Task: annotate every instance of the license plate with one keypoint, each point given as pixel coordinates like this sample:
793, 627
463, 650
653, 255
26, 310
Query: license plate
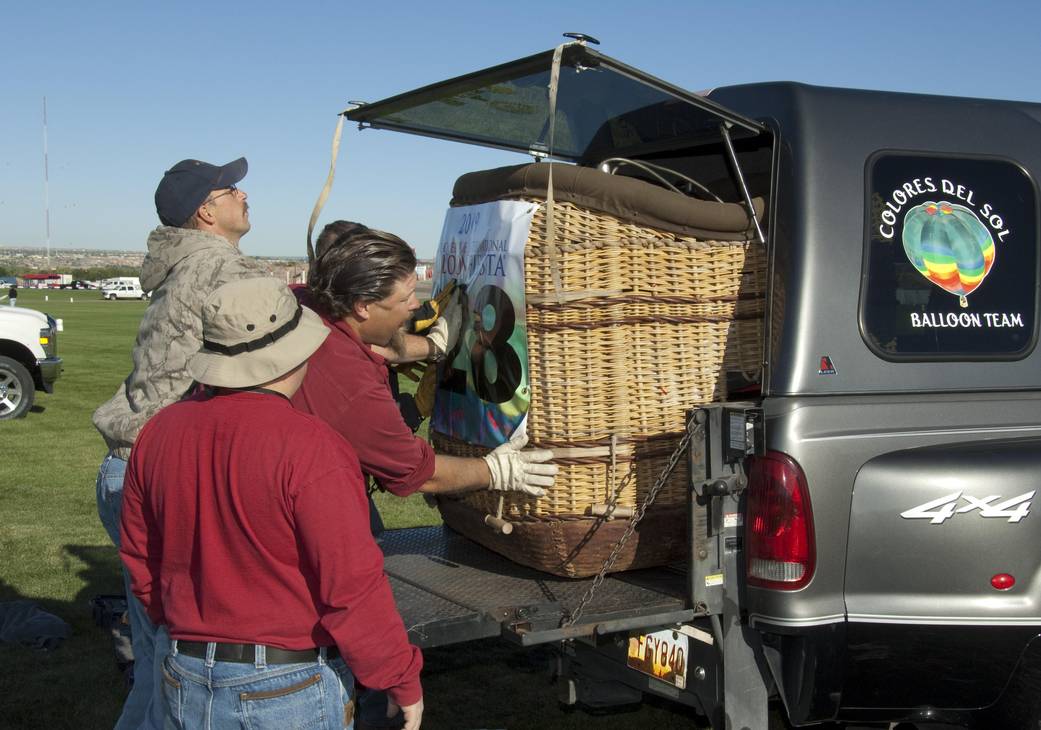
662, 655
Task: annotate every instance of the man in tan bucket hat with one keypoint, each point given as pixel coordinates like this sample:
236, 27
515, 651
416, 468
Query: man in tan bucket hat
245, 530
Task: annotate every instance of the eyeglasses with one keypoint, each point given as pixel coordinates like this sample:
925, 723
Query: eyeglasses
230, 191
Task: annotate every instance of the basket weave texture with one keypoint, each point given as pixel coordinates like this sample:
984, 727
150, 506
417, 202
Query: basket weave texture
647, 325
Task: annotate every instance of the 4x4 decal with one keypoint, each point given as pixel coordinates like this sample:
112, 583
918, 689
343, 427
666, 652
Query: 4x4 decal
938, 511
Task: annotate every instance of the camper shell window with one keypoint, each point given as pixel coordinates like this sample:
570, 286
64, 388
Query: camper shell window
951, 258
608, 115
603, 107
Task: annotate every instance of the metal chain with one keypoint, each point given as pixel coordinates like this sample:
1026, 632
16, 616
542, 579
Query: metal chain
612, 505
692, 429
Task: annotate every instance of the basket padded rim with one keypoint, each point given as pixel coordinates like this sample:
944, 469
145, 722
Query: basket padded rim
624, 197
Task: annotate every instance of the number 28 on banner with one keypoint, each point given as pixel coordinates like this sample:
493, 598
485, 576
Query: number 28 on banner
483, 394
488, 357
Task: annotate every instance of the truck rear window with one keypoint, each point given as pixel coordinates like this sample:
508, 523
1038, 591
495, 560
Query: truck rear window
951, 259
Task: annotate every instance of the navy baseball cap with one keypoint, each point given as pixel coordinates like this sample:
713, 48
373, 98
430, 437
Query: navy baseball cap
186, 185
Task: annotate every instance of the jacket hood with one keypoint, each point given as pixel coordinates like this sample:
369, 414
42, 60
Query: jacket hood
168, 245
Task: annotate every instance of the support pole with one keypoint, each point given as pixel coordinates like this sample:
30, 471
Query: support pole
724, 128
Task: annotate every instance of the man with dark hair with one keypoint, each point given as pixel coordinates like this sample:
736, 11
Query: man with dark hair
195, 251
363, 282
245, 533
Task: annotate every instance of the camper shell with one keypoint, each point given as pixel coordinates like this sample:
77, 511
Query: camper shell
901, 406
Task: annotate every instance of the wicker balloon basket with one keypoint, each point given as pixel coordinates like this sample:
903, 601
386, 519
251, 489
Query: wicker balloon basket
638, 325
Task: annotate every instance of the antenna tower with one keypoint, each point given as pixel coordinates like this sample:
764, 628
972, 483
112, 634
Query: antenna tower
46, 187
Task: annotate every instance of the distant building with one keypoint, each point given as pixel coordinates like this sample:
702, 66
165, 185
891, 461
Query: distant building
43, 281
294, 274
424, 270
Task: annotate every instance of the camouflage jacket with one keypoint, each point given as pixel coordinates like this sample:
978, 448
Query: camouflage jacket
182, 267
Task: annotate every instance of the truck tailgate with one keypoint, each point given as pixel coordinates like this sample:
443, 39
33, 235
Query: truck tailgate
449, 589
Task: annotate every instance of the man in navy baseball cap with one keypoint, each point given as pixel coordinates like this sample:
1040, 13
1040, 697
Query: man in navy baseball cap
187, 185
194, 252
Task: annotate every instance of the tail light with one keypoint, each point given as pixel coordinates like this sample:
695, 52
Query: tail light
779, 544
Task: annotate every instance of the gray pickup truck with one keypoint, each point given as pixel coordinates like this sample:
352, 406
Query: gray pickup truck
863, 540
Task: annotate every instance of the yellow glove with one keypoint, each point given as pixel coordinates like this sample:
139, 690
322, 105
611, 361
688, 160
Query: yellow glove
423, 320
444, 333
431, 309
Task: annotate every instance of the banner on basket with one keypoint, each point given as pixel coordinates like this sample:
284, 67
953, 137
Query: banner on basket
483, 392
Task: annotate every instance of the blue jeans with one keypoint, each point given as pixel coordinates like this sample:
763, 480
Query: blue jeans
143, 707
203, 693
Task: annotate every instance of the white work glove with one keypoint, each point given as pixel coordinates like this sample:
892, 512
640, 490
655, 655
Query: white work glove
444, 333
514, 470
413, 713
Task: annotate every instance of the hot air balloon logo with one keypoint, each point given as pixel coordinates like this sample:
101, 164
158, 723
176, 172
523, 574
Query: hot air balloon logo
949, 246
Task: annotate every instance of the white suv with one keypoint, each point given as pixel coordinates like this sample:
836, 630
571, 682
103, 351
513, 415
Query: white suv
123, 291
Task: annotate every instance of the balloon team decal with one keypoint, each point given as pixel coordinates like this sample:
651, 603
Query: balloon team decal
949, 246
483, 392
944, 239
952, 259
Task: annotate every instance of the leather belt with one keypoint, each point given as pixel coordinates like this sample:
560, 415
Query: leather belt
246, 653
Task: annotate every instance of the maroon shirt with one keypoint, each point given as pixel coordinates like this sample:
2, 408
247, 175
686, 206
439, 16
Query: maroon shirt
245, 520
348, 387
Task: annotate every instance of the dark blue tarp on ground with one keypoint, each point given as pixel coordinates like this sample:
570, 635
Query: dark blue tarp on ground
26, 624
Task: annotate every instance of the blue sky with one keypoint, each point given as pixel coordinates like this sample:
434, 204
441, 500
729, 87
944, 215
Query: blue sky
133, 87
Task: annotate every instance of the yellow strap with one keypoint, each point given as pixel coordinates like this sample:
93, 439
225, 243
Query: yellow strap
551, 229
325, 190
425, 391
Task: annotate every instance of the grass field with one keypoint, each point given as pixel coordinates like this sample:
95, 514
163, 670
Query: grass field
54, 552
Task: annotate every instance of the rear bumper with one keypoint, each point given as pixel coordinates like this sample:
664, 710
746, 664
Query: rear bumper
50, 370
888, 672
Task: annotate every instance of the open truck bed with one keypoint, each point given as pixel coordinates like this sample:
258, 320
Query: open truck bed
450, 589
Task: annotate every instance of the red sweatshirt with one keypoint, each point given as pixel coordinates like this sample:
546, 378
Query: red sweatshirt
347, 386
245, 520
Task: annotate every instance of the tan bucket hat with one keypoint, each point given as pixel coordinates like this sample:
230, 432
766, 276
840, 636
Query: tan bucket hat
254, 331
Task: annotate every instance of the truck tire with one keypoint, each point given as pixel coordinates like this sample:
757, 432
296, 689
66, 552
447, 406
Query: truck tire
112, 297
16, 389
